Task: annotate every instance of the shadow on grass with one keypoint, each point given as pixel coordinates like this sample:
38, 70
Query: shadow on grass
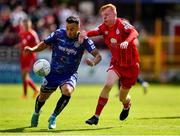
21, 129
73, 130
173, 117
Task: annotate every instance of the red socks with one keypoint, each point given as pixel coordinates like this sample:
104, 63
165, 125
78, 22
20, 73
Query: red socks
127, 105
101, 103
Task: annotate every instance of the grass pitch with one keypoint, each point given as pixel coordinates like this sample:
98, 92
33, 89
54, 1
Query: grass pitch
156, 113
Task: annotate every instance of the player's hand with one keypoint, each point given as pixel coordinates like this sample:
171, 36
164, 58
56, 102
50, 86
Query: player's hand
82, 36
90, 62
124, 45
28, 49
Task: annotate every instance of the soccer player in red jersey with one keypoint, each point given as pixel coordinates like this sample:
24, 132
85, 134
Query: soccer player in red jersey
119, 35
28, 37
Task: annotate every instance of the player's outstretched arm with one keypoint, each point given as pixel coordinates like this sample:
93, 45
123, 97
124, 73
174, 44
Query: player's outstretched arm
133, 34
39, 47
97, 58
89, 33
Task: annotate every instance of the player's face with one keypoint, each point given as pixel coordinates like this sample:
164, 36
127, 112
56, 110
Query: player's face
72, 29
27, 25
109, 16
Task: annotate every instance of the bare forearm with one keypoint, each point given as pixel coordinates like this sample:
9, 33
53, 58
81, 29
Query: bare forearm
97, 59
92, 33
97, 56
39, 47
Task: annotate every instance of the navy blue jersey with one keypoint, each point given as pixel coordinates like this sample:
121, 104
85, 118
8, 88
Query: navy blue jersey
66, 53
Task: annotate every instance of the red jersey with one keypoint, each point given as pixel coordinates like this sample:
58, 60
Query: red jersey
113, 36
30, 39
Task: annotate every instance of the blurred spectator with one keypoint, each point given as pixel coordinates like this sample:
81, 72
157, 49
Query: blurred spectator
65, 12
9, 35
17, 15
44, 19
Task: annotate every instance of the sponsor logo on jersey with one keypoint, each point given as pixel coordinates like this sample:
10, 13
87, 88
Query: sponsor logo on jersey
67, 50
113, 40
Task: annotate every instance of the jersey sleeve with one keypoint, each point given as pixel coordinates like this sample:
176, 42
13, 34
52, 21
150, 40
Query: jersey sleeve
51, 38
128, 28
89, 45
95, 32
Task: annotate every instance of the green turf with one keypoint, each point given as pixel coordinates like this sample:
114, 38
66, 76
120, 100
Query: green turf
157, 113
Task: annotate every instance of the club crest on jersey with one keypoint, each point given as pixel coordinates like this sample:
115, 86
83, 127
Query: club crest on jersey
117, 31
76, 44
106, 32
113, 40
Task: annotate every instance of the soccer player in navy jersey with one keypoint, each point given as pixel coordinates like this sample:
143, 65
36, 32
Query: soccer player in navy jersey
66, 57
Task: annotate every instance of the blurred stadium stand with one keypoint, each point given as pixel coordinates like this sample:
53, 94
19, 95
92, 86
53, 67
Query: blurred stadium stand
158, 22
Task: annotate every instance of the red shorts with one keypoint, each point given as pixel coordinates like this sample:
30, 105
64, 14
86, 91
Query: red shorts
27, 64
127, 75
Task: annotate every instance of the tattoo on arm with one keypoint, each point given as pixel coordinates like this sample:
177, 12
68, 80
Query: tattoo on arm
97, 56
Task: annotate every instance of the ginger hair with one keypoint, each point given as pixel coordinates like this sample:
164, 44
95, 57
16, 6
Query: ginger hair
108, 6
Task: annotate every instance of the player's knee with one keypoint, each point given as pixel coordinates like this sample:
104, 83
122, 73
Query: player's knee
108, 85
42, 98
68, 90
